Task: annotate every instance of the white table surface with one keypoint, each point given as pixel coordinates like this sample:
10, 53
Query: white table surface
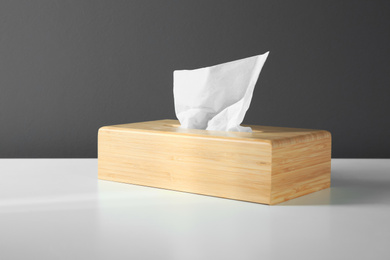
57, 209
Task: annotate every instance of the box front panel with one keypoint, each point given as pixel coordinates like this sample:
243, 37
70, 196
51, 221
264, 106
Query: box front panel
205, 165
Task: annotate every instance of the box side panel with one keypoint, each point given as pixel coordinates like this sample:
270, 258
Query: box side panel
223, 168
300, 169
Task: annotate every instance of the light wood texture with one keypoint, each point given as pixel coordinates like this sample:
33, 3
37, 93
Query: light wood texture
269, 165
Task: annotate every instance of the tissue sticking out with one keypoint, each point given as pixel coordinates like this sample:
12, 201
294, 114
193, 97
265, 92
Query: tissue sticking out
217, 97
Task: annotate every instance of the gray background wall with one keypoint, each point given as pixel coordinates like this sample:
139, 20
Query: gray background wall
69, 67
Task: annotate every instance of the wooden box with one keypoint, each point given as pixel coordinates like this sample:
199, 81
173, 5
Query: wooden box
269, 165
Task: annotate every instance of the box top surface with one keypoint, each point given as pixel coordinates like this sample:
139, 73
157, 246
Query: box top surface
276, 136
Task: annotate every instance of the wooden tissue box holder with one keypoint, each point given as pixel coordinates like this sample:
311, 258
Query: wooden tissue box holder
269, 165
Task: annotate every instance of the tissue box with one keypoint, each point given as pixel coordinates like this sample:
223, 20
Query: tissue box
269, 165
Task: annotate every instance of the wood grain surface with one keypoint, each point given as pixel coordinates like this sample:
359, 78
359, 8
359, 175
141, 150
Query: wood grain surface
269, 165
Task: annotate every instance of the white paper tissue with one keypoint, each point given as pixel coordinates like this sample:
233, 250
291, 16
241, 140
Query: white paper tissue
216, 97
